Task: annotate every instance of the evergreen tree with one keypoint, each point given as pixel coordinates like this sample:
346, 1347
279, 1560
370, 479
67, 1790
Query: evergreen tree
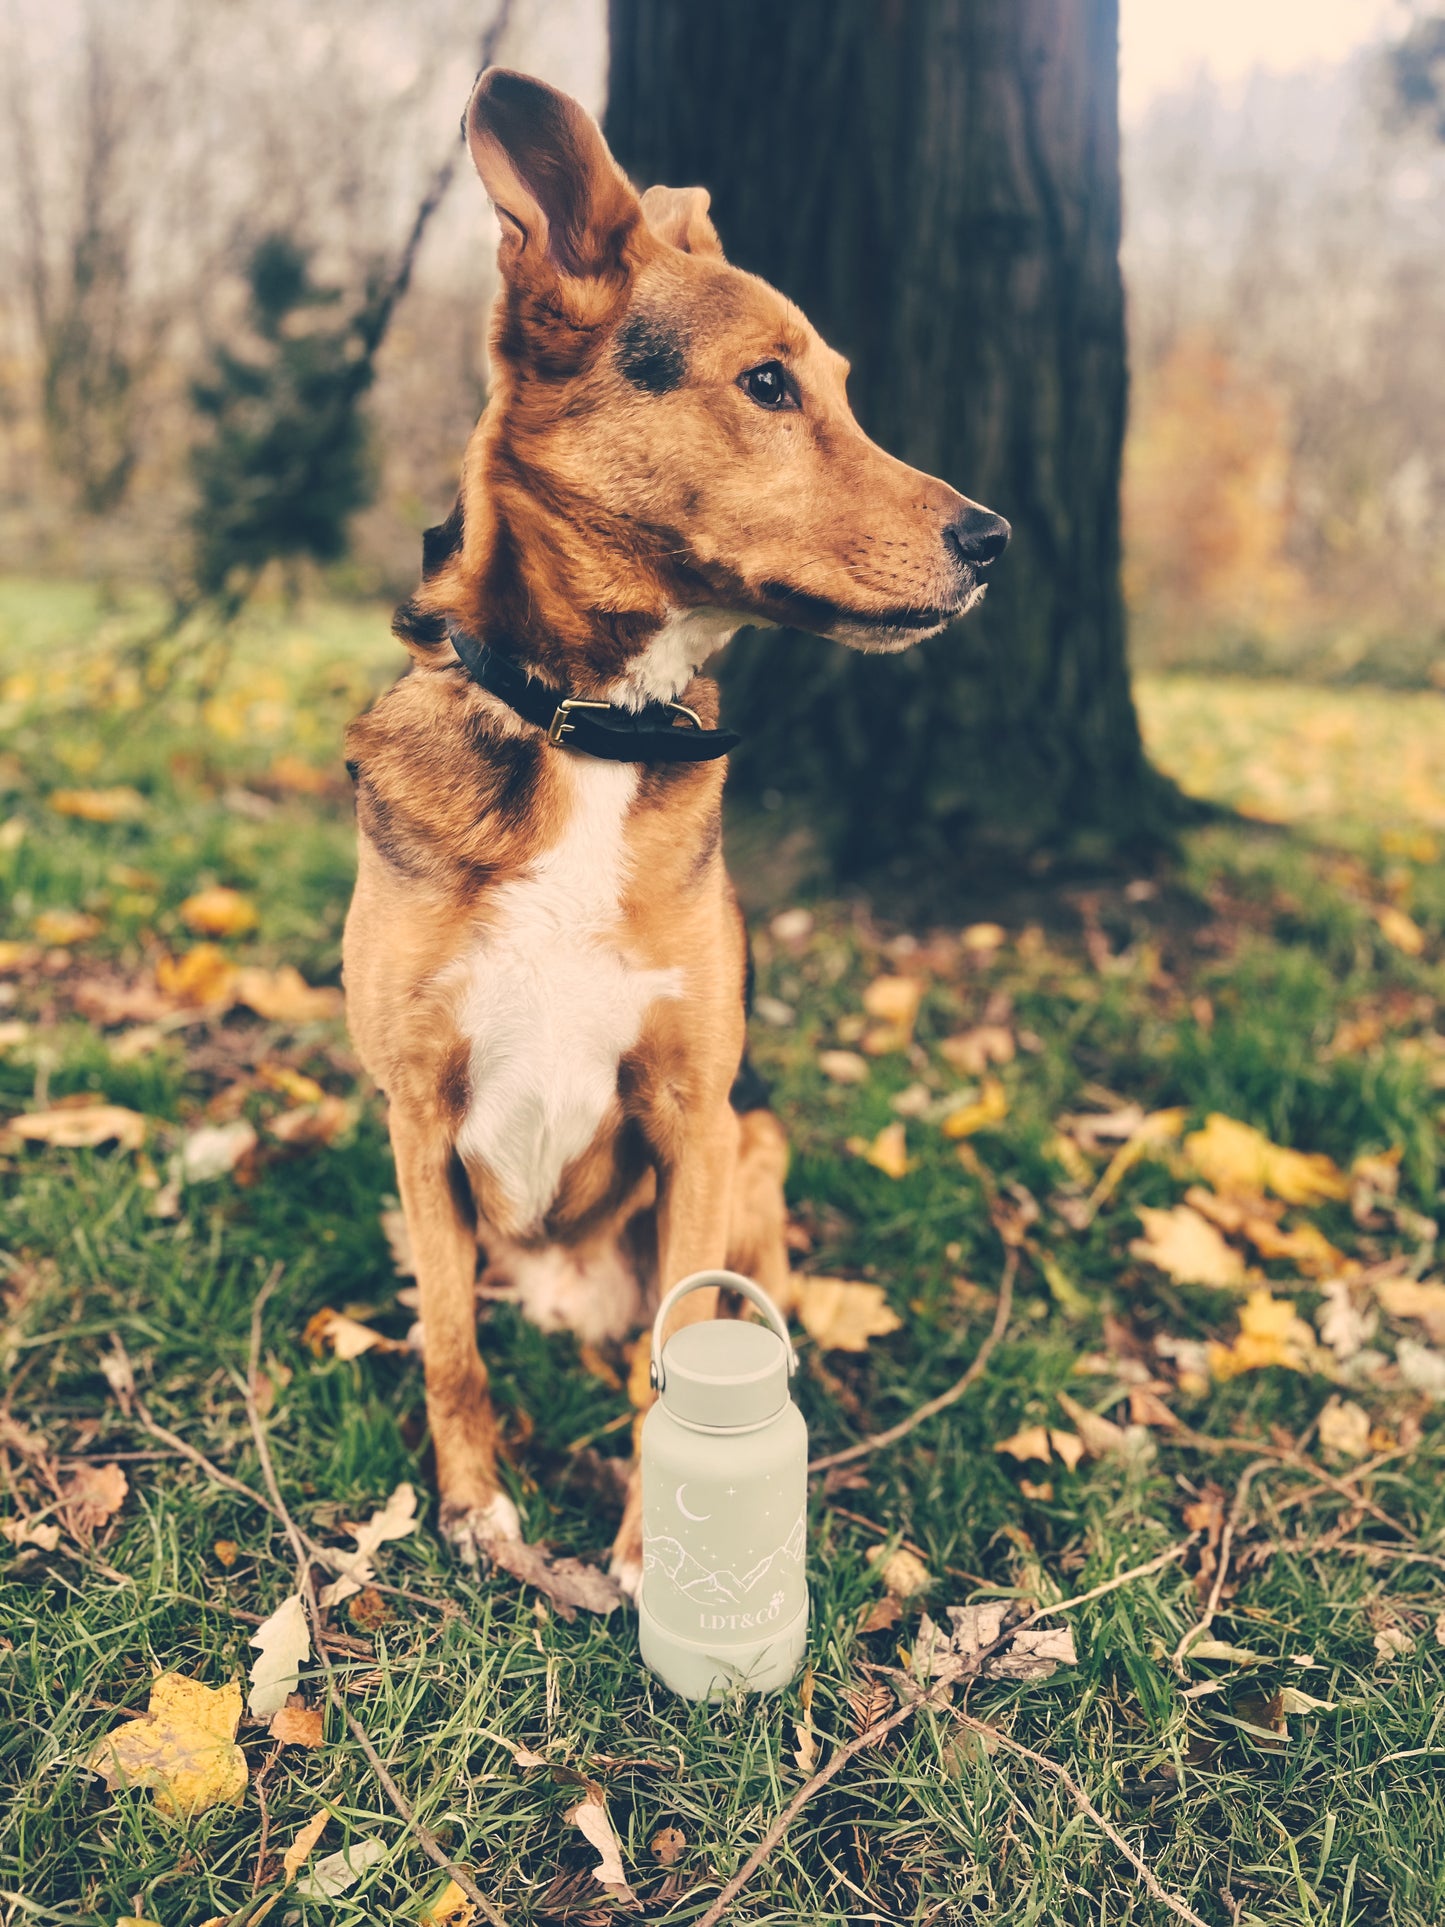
286, 464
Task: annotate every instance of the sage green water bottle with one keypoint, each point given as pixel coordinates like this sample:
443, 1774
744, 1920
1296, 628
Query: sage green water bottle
724, 1597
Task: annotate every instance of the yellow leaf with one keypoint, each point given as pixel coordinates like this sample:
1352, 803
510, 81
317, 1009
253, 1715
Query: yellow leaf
1306, 1247
449, 1907
319, 1123
972, 1051
183, 1748
284, 997
1270, 1333
299, 1851
840, 1316
981, 938
66, 926
894, 1002
988, 1109
346, 1337
81, 1127
204, 975
219, 912
98, 806
1187, 1246
1400, 930
15, 955
1237, 1159
291, 1083
903, 1573
888, 1152
1040, 1442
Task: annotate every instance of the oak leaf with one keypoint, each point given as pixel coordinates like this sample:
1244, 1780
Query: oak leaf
284, 1644
354, 1570
841, 1316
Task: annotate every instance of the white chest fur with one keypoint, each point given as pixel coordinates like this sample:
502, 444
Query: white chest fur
550, 1000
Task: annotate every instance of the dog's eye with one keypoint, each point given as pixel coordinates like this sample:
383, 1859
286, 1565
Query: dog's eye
768, 385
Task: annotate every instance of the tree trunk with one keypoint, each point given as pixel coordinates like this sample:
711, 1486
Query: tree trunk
936, 183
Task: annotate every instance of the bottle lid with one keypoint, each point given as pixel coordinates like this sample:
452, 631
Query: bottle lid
726, 1373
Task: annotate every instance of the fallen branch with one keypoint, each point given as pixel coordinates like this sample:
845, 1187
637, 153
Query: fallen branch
425, 1838
1226, 1545
937, 1695
878, 1440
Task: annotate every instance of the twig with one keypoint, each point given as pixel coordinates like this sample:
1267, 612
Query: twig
1226, 1543
426, 1839
936, 1695
932, 1406
1085, 1805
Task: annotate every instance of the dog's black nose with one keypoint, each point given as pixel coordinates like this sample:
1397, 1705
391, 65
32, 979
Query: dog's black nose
978, 537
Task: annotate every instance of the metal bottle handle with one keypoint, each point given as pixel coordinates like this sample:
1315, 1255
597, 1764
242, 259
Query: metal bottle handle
729, 1281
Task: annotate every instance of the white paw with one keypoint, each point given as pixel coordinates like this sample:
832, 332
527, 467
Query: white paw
625, 1572
476, 1531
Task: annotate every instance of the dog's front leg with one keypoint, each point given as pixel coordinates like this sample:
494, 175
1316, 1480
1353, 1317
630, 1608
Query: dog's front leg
475, 1513
694, 1204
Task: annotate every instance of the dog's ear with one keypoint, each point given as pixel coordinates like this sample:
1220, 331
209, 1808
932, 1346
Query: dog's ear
567, 209
678, 215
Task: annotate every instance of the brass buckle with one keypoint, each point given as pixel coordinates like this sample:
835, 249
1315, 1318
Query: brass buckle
560, 726
692, 716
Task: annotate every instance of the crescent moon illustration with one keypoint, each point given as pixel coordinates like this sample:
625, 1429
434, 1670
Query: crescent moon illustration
698, 1517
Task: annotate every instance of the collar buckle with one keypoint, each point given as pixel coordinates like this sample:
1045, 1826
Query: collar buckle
561, 724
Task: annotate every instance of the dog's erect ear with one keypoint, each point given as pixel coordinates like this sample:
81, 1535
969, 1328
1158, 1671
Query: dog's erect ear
678, 215
566, 206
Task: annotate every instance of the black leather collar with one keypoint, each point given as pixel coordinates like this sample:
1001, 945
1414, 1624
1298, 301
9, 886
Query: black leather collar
648, 735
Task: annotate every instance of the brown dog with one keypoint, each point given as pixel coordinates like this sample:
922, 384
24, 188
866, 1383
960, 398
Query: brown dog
544, 958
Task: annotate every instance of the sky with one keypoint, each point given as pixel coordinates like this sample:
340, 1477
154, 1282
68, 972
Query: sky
1164, 43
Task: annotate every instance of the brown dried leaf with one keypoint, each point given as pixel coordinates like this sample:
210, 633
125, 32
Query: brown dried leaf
667, 1844
589, 1817
568, 1583
1035, 1653
297, 1724
91, 1497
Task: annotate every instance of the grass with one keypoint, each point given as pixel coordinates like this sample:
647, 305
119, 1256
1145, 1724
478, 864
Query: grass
1257, 980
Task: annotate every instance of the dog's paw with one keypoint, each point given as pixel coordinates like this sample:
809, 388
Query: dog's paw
624, 1568
476, 1531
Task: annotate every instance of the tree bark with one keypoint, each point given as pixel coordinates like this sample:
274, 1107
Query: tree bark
936, 183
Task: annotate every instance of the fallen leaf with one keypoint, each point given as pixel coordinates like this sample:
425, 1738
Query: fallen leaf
15, 955
668, 1844
589, 1817
971, 1052
1423, 1302
1270, 1333
1399, 930
91, 1497
319, 1123
1035, 1653
340, 1871
297, 1724
1341, 1326
1306, 1247
214, 1150
1423, 1370
226, 1551
1183, 1243
1236, 1158
200, 978
299, 1851
354, 1570
80, 1127
328, 1330
1344, 1427
880, 1615
291, 1083
448, 1907
843, 1066
1040, 1442
903, 1573
988, 1109
284, 997
1390, 1642
1292, 1700
841, 1316
805, 1752
119, 805
299, 778
982, 938
569, 1583
1101, 1436
888, 1152
219, 912
65, 927
183, 1748
1221, 1649
792, 926
28, 1532
284, 1644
